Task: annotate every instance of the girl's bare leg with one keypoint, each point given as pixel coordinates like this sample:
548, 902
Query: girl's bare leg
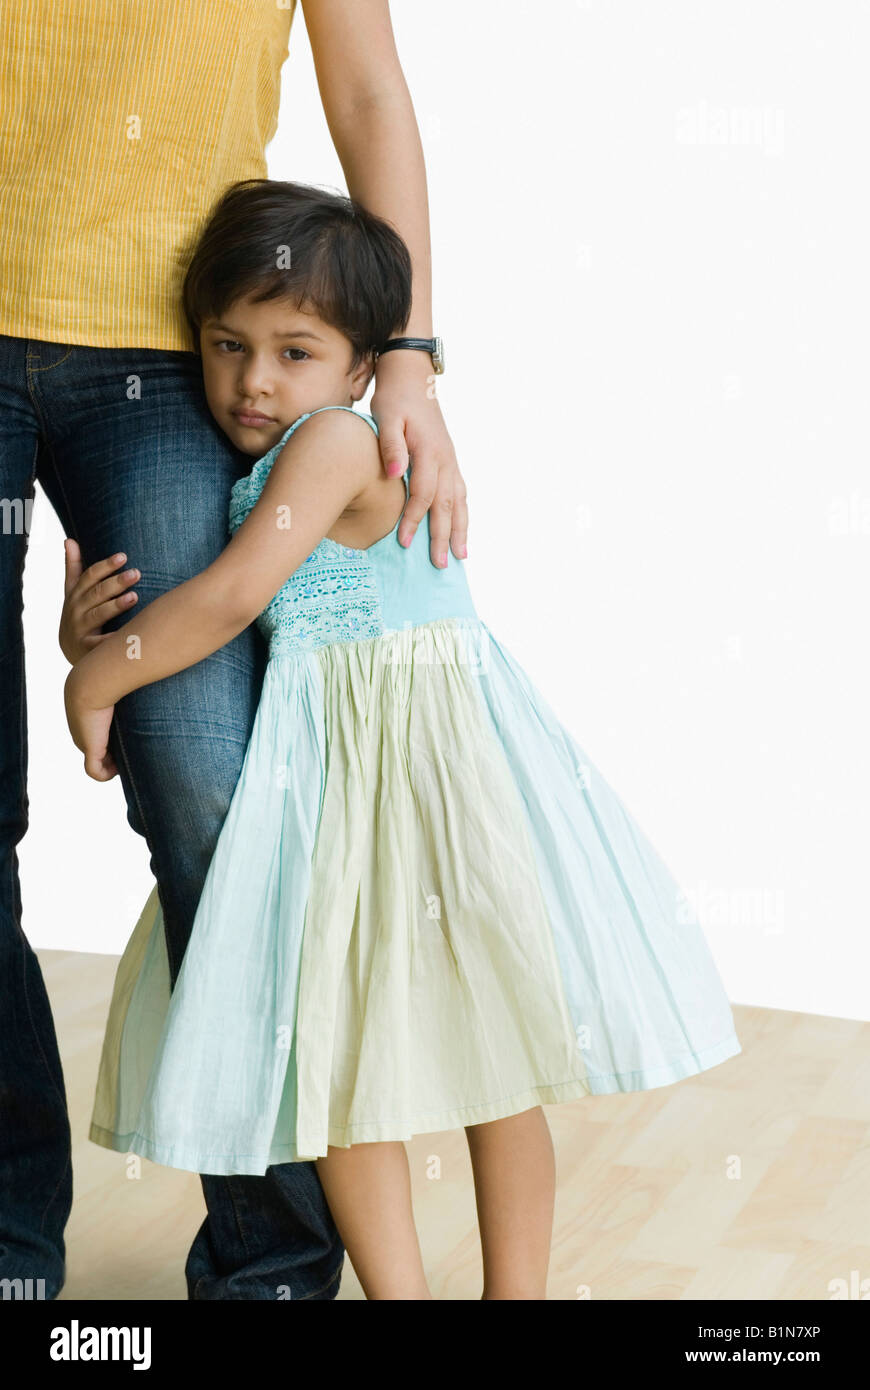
515, 1186
368, 1188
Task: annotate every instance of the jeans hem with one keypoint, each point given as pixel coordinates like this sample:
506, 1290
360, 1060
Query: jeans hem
315, 1293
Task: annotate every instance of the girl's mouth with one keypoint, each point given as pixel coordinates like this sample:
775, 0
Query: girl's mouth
252, 418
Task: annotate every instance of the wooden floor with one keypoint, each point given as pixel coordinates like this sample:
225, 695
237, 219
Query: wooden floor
750, 1181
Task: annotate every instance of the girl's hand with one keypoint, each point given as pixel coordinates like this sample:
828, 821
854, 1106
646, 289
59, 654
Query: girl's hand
409, 421
90, 730
91, 599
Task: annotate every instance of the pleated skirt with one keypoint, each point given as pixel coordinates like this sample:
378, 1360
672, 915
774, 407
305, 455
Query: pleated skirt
426, 909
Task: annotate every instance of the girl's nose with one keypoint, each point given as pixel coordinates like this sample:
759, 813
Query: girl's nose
255, 380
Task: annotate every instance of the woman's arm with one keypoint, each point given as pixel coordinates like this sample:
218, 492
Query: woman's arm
371, 120
320, 470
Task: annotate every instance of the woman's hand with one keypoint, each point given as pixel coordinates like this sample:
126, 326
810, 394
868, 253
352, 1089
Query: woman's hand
371, 119
410, 422
91, 598
89, 728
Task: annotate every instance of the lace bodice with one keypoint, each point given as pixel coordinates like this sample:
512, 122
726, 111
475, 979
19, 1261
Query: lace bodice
333, 595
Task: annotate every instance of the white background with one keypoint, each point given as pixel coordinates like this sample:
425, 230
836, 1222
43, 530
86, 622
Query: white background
650, 240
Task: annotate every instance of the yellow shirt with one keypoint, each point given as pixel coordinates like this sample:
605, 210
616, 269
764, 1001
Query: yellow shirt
122, 123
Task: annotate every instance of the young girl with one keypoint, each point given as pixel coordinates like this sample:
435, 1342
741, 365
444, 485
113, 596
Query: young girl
426, 908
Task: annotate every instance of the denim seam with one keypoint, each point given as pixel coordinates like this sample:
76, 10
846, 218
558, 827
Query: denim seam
49, 366
325, 1286
239, 1227
24, 803
44, 429
38, 1041
61, 489
237, 1214
119, 738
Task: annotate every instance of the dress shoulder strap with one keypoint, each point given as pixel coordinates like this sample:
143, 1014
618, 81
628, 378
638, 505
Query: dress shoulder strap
363, 415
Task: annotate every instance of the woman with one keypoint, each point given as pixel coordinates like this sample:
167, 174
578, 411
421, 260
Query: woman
121, 129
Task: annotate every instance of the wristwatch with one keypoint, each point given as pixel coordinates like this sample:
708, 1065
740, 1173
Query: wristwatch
434, 346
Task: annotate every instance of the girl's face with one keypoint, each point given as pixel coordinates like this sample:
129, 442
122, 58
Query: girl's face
266, 364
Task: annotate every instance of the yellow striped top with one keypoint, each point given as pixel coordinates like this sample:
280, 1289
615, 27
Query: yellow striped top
122, 123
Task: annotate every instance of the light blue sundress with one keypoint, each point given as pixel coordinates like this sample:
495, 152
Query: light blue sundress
426, 907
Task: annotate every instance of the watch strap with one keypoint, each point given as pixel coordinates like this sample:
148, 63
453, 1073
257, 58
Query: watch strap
433, 346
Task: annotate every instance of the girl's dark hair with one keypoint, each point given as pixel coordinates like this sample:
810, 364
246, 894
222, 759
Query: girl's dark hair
271, 240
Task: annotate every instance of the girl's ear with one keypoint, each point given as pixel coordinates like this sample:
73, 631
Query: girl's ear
361, 376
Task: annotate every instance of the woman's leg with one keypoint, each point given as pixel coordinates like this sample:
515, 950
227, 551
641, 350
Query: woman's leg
150, 473
515, 1186
35, 1166
368, 1188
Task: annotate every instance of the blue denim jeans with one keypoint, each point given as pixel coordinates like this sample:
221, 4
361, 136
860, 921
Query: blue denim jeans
123, 444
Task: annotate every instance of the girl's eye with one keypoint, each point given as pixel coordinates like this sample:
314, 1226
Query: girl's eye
230, 346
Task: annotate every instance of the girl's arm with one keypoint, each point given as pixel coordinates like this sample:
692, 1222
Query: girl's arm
320, 470
371, 120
